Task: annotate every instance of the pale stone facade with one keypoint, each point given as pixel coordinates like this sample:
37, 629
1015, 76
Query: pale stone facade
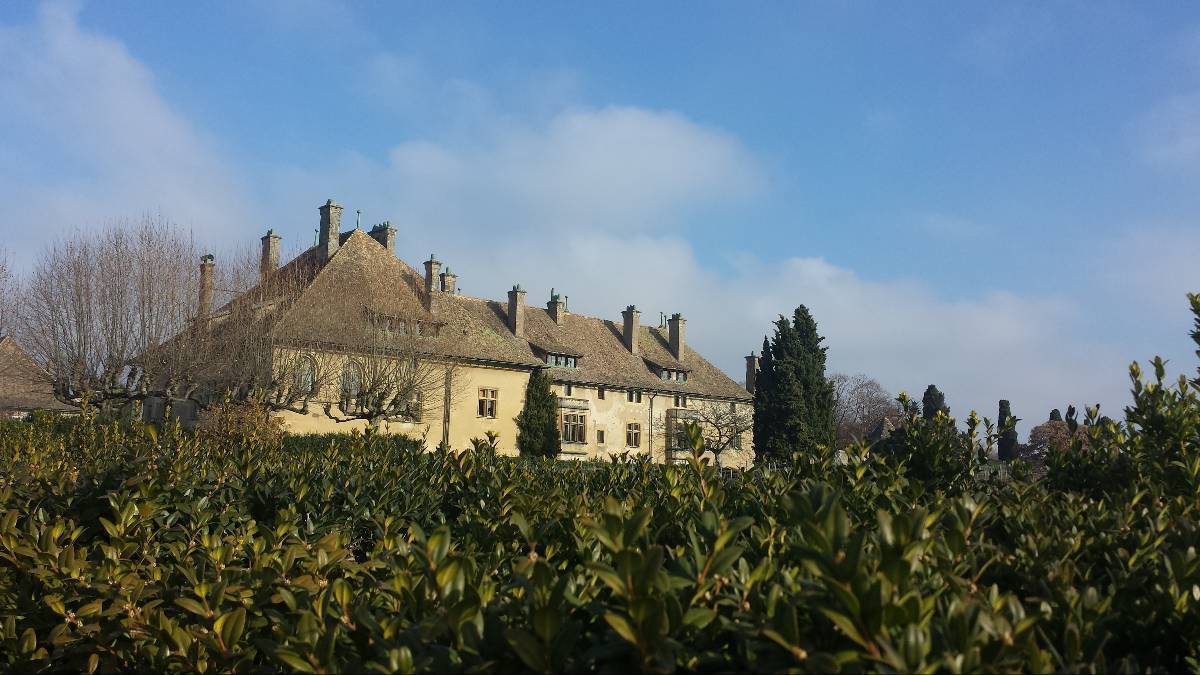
620, 384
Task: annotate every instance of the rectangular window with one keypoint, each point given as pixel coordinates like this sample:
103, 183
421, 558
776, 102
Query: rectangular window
633, 435
683, 375
487, 403
568, 390
600, 393
599, 437
574, 427
633, 396
680, 401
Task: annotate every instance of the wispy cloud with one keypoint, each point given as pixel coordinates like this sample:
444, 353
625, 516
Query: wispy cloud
595, 200
90, 138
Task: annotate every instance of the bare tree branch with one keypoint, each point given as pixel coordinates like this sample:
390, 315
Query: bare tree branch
860, 402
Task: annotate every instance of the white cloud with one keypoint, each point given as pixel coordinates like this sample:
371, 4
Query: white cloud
91, 139
592, 200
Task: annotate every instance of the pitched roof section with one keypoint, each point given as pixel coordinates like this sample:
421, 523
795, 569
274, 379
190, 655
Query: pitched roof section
24, 386
364, 276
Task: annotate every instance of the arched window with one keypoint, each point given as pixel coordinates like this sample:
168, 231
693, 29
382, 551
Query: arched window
352, 380
305, 380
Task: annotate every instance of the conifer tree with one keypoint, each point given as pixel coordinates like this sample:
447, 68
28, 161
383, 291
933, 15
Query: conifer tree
793, 400
933, 401
537, 427
1007, 424
1055, 415
1194, 300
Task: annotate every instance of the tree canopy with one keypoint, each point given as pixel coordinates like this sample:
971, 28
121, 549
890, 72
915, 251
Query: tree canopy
537, 428
793, 401
933, 401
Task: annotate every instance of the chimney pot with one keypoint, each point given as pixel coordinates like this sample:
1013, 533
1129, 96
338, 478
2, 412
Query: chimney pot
385, 234
449, 282
556, 307
516, 310
631, 316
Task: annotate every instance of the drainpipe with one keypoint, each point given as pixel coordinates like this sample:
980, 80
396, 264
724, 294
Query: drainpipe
650, 431
446, 409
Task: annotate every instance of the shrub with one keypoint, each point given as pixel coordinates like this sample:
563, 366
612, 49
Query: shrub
122, 548
235, 422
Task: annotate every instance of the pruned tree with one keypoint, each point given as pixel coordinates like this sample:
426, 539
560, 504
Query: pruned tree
234, 353
860, 403
96, 302
388, 378
723, 427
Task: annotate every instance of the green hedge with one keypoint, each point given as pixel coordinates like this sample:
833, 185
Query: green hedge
128, 548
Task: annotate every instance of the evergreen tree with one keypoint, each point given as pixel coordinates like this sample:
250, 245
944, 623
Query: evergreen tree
1055, 415
1007, 425
537, 427
793, 401
933, 401
1194, 300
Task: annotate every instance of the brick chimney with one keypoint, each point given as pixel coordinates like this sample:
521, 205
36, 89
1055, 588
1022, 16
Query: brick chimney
204, 305
270, 254
516, 310
385, 234
751, 371
449, 282
632, 328
675, 328
432, 282
556, 307
331, 225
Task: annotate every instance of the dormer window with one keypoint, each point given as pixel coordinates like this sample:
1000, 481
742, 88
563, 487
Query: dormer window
561, 361
674, 375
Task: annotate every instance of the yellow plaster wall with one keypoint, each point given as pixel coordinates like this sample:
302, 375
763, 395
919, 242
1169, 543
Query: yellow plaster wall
610, 414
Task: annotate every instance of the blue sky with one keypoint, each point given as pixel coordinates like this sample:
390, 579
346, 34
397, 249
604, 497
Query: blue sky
1001, 198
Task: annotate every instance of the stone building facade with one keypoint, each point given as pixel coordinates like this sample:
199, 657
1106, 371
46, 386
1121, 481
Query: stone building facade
623, 387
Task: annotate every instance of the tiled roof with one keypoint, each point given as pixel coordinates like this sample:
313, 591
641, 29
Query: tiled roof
23, 386
363, 276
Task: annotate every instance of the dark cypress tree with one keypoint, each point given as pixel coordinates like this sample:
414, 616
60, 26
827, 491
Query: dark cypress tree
933, 401
1007, 425
537, 427
1194, 300
793, 401
1055, 415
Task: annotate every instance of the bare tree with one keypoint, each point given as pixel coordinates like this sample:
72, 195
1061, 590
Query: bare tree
1052, 436
94, 303
235, 352
389, 374
860, 402
8, 294
723, 426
